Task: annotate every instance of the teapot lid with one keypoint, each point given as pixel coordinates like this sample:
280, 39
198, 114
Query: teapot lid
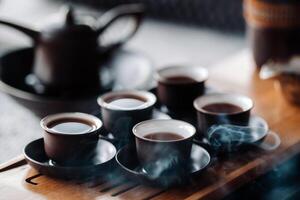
65, 25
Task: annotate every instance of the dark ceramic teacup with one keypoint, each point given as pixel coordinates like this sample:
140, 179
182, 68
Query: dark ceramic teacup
121, 110
179, 86
70, 138
164, 146
222, 108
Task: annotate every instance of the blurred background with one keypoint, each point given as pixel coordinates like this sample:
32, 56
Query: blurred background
219, 15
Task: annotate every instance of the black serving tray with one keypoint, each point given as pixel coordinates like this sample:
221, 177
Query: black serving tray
115, 74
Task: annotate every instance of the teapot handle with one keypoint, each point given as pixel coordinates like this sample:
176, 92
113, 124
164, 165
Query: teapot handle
108, 18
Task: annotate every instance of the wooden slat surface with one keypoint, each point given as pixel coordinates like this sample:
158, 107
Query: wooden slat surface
224, 175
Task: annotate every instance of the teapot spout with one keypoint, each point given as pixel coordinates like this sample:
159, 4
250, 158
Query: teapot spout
33, 34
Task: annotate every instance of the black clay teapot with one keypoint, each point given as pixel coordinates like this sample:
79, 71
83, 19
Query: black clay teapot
68, 54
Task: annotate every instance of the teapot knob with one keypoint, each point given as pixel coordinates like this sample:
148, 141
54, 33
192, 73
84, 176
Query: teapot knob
69, 13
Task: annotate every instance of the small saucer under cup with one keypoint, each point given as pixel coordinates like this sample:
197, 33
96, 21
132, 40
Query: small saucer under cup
198, 161
98, 165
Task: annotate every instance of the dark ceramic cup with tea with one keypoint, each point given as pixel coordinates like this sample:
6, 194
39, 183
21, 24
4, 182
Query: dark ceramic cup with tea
179, 86
164, 146
70, 138
121, 110
222, 108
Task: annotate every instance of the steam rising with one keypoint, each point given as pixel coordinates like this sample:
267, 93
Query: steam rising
162, 166
167, 170
227, 137
230, 136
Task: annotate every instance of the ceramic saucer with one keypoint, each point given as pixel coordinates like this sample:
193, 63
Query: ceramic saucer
128, 161
116, 73
101, 162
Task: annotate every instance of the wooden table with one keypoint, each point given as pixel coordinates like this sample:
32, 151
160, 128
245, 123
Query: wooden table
237, 74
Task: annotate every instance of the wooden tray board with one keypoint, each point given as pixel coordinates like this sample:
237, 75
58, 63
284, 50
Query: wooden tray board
237, 74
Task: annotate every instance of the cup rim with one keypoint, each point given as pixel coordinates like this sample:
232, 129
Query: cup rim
134, 130
74, 115
218, 97
150, 99
160, 78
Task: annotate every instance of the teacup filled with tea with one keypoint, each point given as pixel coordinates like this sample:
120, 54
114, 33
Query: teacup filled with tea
121, 110
70, 138
163, 146
179, 86
222, 108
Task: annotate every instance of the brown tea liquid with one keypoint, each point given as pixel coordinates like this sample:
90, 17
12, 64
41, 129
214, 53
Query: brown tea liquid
222, 108
165, 136
180, 79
